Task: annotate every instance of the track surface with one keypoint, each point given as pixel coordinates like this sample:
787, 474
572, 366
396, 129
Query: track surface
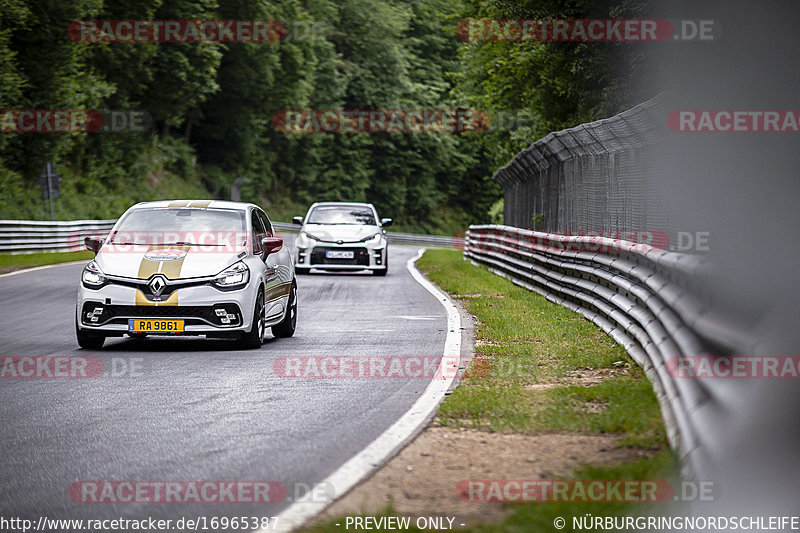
201, 409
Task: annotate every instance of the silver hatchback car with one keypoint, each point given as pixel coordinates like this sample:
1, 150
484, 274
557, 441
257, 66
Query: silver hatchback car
342, 236
188, 267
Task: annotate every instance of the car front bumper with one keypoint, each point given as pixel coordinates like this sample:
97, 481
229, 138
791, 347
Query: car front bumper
108, 309
364, 256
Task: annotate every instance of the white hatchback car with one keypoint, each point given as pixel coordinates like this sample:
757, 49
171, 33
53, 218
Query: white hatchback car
188, 267
342, 236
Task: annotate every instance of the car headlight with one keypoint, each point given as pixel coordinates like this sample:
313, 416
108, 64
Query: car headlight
92, 277
310, 237
372, 238
233, 277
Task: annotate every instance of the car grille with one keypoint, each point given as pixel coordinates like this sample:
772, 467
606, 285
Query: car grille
360, 256
193, 314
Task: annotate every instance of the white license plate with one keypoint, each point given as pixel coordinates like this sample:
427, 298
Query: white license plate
340, 254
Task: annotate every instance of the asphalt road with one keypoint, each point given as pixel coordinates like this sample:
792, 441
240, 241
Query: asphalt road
196, 409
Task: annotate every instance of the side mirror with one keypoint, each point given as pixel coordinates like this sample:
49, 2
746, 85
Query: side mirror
93, 244
298, 221
270, 245
386, 222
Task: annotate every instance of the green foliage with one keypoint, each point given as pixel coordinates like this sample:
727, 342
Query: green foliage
212, 104
496, 212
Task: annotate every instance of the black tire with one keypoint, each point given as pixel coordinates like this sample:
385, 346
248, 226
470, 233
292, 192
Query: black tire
301, 271
89, 340
286, 327
383, 272
253, 339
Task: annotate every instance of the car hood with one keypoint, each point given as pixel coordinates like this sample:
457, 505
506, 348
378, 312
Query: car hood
341, 232
142, 261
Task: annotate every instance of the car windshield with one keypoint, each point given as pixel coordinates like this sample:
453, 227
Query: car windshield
342, 215
185, 225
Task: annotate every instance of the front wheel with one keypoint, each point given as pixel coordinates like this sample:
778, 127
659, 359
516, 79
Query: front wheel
89, 340
255, 337
383, 271
289, 323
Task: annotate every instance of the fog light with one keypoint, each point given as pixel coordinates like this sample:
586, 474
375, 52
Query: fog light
97, 310
231, 317
220, 312
225, 320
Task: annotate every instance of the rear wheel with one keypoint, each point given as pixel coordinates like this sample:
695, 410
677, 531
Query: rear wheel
289, 323
89, 340
255, 337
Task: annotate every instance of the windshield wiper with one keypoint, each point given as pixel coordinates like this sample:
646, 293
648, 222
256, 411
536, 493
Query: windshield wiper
182, 243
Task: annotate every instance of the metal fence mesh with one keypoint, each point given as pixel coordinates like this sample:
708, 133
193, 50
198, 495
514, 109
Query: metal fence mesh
599, 176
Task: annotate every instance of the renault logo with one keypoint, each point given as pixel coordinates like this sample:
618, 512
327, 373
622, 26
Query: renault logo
157, 285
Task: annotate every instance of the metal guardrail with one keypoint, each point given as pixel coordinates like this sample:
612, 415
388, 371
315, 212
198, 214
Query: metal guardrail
641, 297
29, 236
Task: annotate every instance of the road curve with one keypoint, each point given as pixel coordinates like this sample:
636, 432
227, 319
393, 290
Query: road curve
195, 409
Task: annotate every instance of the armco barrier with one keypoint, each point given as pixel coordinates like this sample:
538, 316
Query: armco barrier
29, 236
642, 297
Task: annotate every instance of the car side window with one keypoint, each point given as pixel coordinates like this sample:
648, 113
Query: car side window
258, 232
267, 224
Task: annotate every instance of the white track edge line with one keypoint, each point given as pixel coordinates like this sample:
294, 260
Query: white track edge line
43, 267
359, 466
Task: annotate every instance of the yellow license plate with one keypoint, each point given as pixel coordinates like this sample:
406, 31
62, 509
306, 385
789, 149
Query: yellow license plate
155, 325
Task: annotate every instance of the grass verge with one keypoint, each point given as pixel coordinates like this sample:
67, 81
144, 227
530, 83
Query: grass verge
534, 360
11, 262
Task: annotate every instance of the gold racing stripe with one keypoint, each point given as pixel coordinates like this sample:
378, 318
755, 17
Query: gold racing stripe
179, 203
198, 203
170, 269
278, 290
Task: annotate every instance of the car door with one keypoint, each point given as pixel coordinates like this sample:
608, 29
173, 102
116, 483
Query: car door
278, 276
258, 232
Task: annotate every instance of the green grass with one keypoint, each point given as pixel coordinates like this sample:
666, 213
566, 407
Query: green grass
9, 262
522, 341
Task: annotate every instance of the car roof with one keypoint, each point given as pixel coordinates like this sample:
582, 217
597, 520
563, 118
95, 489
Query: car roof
341, 204
219, 204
